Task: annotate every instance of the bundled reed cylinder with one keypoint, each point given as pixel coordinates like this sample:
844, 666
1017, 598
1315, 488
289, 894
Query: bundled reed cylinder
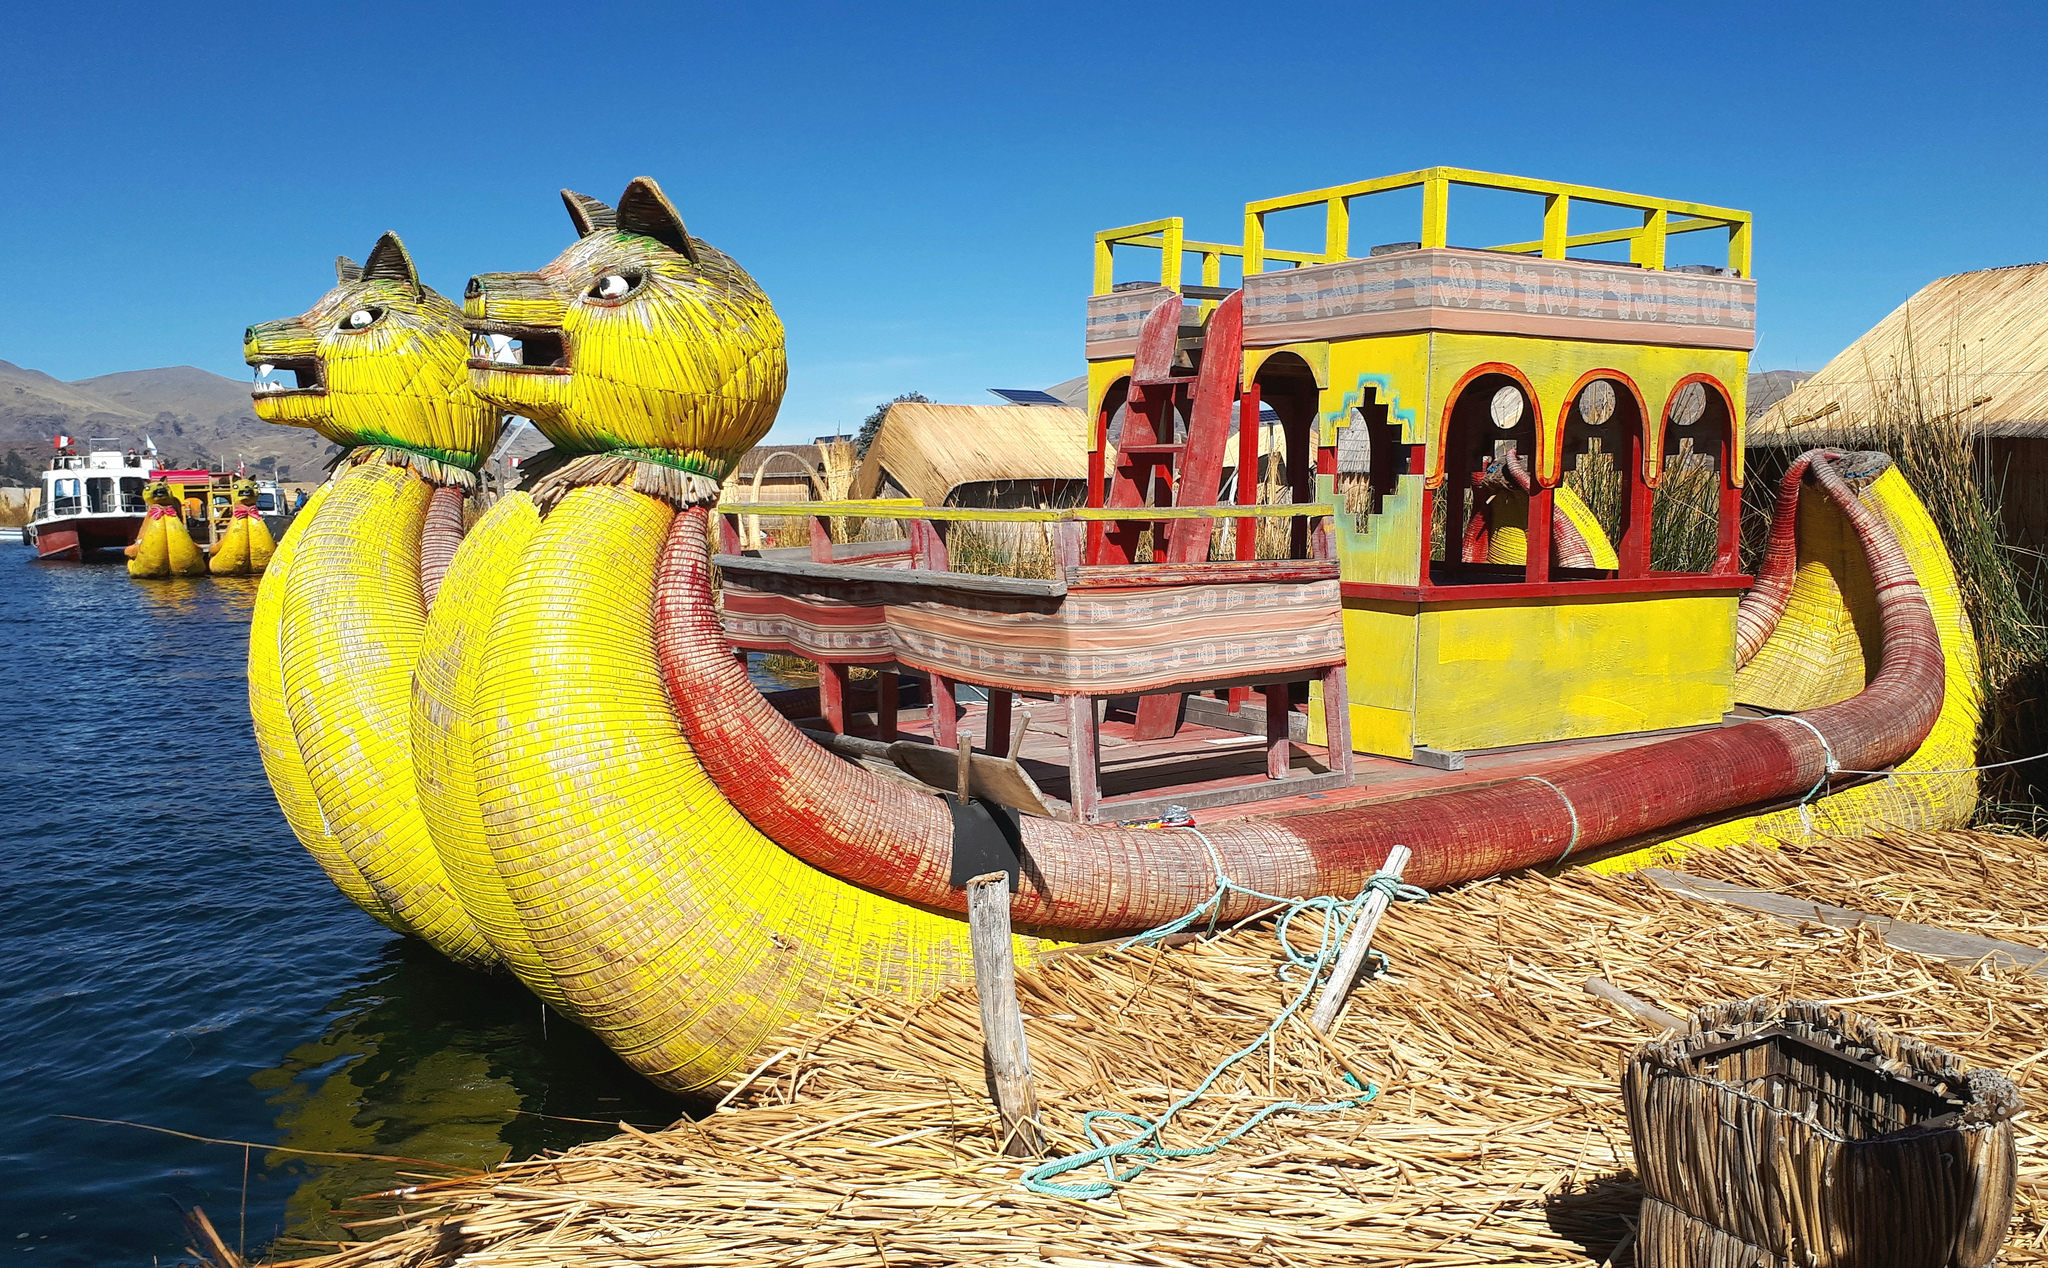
1786, 1133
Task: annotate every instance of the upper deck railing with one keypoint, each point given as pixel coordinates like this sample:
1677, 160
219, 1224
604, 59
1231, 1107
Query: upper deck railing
1661, 218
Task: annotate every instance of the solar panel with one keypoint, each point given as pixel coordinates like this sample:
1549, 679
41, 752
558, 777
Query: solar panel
1026, 396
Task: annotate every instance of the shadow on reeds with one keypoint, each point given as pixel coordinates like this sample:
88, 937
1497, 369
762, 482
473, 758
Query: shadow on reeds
1599, 1215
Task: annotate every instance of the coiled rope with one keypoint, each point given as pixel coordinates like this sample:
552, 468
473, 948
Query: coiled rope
1147, 1149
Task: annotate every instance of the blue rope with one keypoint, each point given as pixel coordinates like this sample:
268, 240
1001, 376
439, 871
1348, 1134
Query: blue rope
1146, 1147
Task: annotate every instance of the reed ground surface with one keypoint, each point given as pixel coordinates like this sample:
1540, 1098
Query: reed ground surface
1498, 1136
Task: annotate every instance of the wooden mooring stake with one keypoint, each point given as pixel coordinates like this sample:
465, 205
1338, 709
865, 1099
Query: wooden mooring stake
1002, 1022
1356, 944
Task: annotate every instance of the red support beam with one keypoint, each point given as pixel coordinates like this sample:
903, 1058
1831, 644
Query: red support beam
832, 697
1728, 546
1246, 535
1337, 721
945, 715
996, 739
1542, 505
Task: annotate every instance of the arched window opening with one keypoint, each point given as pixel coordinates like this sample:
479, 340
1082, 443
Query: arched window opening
1694, 514
1289, 401
1603, 476
1478, 516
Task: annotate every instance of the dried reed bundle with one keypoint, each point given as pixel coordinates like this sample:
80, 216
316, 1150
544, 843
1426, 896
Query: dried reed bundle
438, 470
1499, 1138
552, 473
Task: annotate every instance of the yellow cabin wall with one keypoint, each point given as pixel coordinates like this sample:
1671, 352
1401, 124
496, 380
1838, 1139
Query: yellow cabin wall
1462, 676
1524, 671
1470, 676
1379, 678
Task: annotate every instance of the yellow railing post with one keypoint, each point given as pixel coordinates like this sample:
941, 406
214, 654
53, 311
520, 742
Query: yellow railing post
1647, 247
1436, 212
1337, 229
1648, 242
1557, 210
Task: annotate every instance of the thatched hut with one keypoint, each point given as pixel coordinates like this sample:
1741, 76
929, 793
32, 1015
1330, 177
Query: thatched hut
1969, 352
1000, 456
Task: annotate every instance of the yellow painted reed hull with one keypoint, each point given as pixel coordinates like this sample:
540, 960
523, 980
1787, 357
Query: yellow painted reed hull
351, 632
677, 932
244, 549
1825, 648
165, 549
444, 683
275, 742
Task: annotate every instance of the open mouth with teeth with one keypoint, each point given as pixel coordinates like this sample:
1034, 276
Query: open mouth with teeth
309, 377
503, 345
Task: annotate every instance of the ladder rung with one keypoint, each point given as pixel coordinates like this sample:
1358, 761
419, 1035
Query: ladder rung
1166, 449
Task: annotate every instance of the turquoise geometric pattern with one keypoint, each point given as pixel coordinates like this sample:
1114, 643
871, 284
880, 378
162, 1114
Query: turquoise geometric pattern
1383, 390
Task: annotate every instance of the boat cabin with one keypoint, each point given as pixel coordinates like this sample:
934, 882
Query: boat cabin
1499, 505
90, 501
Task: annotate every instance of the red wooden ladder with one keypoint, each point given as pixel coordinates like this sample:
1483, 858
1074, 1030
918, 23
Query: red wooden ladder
1154, 469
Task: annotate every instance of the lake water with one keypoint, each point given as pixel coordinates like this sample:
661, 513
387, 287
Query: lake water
172, 957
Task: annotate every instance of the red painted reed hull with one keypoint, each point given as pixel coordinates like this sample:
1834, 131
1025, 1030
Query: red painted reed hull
886, 836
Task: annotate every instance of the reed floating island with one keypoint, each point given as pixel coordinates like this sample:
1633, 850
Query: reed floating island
1498, 1136
1445, 617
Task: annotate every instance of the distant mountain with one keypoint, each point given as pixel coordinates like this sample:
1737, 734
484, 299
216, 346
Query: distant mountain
197, 418
194, 416
1768, 387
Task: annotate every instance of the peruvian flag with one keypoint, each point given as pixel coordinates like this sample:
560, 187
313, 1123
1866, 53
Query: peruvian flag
63, 441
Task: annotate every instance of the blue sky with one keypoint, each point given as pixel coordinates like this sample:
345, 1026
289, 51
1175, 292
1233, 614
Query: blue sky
916, 186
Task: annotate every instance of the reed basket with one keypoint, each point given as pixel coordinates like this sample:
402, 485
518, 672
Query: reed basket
1790, 1133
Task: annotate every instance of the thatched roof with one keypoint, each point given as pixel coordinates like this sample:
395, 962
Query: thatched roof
931, 450
1973, 347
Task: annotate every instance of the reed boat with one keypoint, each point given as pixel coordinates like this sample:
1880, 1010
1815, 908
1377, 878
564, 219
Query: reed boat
1446, 617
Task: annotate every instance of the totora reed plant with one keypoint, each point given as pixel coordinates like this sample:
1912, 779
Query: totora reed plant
1922, 420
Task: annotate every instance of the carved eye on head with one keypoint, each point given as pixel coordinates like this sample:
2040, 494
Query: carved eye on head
613, 287
362, 319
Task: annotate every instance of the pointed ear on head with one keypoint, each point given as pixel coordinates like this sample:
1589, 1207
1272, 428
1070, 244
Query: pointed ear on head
388, 262
589, 214
643, 208
346, 271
